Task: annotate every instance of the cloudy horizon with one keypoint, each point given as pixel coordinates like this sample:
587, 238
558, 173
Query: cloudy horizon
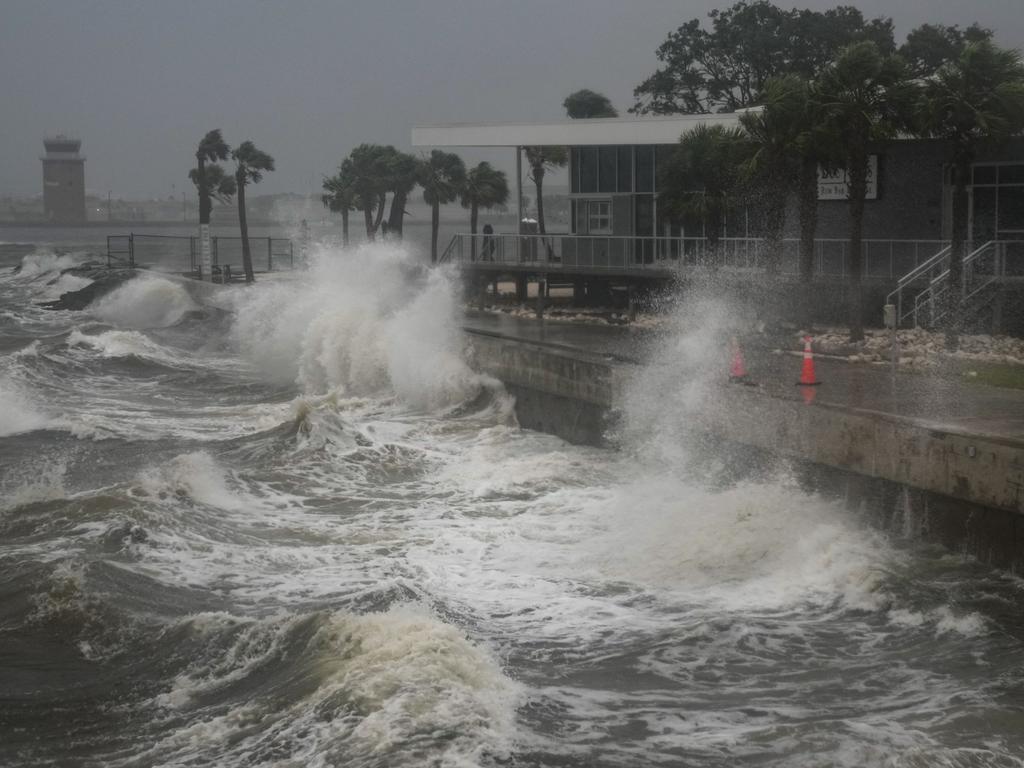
139, 83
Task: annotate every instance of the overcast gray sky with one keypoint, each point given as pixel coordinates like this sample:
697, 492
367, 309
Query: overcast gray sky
140, 82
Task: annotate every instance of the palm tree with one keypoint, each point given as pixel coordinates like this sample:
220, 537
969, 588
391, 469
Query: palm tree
485, 187
702, 175
212, 147
442, 177
865, 97
790, 147
339, 198
216, 185
974, 100
402, 170
251, 165
585, 103
366, 172
774, 166
540, 160
211, 183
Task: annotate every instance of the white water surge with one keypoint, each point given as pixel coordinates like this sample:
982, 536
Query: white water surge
145, 302
296, 529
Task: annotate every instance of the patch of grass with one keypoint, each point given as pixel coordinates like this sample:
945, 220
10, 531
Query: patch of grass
996, 375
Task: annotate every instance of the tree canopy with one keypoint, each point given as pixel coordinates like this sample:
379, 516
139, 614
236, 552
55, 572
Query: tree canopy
252, 163
442, 177
930, 46
726, 67
214, 182
703, 173
585, 103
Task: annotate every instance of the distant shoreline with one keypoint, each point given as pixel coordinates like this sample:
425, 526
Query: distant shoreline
122, 223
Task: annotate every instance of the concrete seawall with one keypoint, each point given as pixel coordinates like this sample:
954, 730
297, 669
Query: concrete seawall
961, 488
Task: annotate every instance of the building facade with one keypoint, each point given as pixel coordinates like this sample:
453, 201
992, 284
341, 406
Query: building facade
63, 180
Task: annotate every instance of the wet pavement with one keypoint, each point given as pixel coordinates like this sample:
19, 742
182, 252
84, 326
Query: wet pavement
941, 402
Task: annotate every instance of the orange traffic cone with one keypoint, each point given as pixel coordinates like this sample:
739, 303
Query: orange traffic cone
807, 377
738, 369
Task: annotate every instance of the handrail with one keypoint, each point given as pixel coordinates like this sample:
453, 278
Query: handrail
938, 288
968, 260
917, 271
448, 251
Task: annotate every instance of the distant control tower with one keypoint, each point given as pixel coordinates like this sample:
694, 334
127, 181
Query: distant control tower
63, 180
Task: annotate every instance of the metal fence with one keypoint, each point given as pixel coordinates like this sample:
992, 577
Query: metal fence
181, 254
882, 259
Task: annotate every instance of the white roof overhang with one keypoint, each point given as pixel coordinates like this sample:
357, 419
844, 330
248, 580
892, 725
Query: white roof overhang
649, 130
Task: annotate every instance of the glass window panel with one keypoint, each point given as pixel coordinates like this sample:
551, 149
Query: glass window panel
984, 214
644, 215
1011, 174
645, 169
625, 169
606, 173
1011, 208
984, 174
588, 169
574, 170
600, 217
581, 216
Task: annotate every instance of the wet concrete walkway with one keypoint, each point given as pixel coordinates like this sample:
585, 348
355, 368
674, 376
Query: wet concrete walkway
940, 402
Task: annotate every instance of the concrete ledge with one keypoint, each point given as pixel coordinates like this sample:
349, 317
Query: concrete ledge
975, 469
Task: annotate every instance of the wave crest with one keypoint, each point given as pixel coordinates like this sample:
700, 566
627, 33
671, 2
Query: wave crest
145, 302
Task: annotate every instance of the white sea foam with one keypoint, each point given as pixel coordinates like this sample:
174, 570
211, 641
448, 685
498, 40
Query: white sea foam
388, 684
33, 484
121, 344
18, 414
362, 321
144, 302
64, 284
196, 476
753, 544
42, 262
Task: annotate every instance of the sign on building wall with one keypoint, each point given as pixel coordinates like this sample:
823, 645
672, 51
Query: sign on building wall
834, 185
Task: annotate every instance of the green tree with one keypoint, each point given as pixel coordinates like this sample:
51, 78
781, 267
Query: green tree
584, 103
442, 177
338, 197
865, 97
790, 146
401, 176
726, 67
485, 187
251, 164
703, 175
973, 101
366, 172
540, 160
213, 183
930, 46
212, 148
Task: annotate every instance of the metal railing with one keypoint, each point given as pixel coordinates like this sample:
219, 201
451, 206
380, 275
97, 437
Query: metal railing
181, 253
120, 251
881, 259
994, 262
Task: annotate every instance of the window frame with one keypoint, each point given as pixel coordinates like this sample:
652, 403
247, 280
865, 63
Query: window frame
596, 216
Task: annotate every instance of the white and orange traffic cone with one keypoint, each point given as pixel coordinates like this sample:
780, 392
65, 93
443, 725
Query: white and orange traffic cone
738, 369
807, 376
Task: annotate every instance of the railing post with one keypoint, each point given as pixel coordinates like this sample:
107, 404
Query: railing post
270, 256
131, 248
